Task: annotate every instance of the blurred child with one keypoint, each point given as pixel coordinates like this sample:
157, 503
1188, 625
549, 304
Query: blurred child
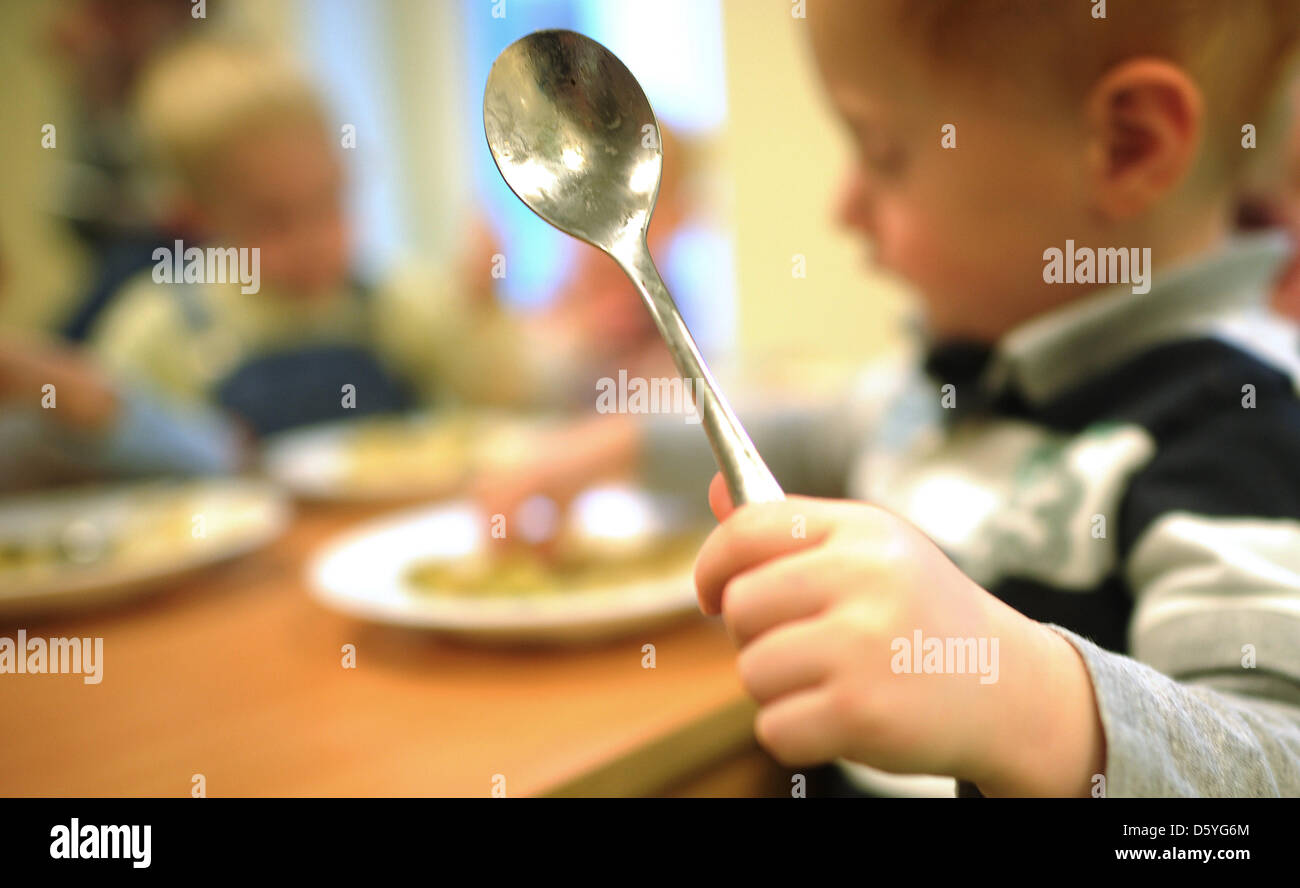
599, 324
255, 162
1079, 573
1270, 200
1287, 298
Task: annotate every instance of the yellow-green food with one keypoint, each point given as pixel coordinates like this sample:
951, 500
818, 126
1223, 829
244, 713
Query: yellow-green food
396, 453
155, 526
520, 572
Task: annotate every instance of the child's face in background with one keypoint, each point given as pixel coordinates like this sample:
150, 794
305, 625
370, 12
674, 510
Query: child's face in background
281, 189
966, 226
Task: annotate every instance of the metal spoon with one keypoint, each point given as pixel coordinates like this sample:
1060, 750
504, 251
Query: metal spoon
576, 140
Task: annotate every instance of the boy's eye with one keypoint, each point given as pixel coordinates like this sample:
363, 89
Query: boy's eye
887, 160
879, 153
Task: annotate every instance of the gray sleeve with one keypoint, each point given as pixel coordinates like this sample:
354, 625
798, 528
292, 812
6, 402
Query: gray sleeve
1209, 703
1170, 738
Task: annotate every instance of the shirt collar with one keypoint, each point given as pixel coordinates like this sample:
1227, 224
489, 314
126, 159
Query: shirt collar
1070, 344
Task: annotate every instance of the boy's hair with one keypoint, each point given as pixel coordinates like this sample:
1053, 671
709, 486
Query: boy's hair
196, 100
1236, 50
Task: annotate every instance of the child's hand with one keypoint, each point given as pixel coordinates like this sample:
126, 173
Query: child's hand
821, 596
85, 400
560, 464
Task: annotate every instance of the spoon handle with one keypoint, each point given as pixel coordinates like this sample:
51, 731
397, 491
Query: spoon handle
748, 478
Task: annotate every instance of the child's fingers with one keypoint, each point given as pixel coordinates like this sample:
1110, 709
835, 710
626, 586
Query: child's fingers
793, 657
790, 588
799, 730
720, 497
753, 534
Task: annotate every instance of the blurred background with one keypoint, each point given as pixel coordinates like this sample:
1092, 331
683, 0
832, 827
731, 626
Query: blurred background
729, 75
419, 341
344, 139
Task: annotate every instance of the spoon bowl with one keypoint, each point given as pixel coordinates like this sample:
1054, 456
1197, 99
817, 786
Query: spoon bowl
573, 136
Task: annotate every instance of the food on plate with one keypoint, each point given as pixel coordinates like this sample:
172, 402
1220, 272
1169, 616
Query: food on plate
109, 532
570, 567
397, 457
394, 452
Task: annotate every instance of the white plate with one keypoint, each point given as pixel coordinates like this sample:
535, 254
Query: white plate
364, 575
883, 783
148, 532
319, 462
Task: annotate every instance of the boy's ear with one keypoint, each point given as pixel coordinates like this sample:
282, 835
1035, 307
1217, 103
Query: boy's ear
1145, 117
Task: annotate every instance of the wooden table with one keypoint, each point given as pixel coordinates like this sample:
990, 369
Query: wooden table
236, 674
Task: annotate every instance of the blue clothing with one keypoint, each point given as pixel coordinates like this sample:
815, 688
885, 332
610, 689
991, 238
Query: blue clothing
302, 385
305, 386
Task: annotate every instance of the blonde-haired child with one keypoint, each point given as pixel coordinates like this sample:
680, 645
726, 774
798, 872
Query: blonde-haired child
252, 158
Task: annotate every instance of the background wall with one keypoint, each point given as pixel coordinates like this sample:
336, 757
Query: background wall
38, 260
783, 156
